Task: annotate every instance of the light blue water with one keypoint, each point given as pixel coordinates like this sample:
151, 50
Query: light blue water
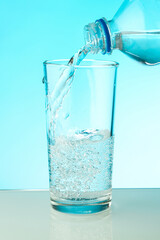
81, 165
143, 46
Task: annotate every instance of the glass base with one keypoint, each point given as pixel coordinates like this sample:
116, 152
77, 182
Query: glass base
86, 206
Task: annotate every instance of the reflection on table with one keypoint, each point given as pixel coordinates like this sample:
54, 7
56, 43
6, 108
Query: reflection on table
81, 227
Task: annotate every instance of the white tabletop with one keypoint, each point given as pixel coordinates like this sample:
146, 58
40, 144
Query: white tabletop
27, 215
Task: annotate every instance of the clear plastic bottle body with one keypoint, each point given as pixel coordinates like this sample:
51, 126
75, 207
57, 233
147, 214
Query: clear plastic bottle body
134, 30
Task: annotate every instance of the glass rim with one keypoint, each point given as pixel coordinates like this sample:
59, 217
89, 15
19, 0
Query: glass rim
104, 63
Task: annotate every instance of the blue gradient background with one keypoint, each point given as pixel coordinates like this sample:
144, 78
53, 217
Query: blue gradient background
33, 31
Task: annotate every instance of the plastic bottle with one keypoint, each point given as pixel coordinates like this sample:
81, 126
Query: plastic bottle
134, 30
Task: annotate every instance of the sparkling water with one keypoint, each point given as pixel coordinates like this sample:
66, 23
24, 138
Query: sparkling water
81, 165
63, 85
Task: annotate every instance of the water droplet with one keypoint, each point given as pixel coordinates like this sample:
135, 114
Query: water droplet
66, 116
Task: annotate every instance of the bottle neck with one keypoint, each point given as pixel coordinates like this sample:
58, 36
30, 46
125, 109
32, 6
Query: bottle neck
98, 36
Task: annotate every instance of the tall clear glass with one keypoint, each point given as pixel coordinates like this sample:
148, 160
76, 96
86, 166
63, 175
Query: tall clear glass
80, 134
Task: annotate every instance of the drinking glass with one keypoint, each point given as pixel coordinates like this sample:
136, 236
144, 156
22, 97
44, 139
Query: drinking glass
80, 133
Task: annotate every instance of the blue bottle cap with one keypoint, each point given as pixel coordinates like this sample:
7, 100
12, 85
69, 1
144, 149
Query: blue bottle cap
107, 34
